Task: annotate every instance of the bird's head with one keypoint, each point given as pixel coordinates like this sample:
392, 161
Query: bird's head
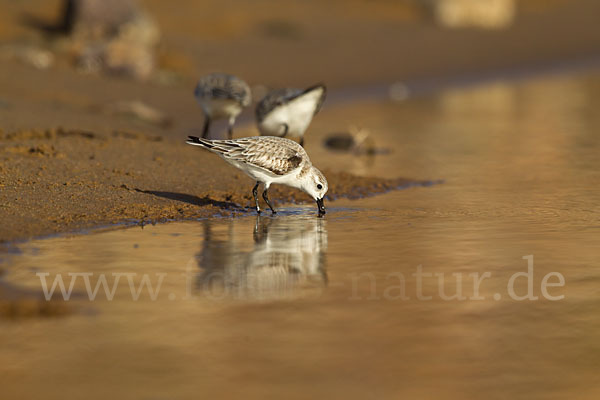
315, 184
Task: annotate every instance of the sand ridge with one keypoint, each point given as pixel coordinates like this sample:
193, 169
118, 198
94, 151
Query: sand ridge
58, 180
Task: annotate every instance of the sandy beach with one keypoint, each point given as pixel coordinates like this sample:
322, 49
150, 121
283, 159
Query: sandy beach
69, 160
479, 159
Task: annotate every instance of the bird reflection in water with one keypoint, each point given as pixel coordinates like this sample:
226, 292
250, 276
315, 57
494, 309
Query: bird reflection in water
286, 254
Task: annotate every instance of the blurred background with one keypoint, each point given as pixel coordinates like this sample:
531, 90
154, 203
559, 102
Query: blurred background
63, 61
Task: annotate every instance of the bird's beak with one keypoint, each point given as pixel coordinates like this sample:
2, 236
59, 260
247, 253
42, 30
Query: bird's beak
321, 206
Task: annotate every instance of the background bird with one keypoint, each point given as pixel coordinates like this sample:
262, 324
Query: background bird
222, 96
288, 112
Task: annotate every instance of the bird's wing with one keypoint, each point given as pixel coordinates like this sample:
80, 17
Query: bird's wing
274, 156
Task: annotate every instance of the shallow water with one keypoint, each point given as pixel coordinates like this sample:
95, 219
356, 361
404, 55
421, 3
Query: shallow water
296, 306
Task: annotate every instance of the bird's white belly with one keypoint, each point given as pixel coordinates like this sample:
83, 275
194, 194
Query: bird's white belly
221, 108
258, 174
297, 114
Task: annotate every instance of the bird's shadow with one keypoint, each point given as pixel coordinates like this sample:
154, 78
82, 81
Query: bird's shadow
191, 199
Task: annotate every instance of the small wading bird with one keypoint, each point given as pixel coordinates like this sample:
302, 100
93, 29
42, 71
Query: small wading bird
269, 160
222, 96
288, 112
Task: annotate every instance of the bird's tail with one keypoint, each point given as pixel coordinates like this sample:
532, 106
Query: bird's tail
221, 147
196, 141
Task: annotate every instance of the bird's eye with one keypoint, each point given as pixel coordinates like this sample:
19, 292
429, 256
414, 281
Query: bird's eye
319, 186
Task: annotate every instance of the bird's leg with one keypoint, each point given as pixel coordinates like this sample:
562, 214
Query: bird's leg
230, 128
206, 126
302, 141
255, 194
266, 197
285, 129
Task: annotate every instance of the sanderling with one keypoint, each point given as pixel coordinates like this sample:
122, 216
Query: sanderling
270, 160
288, 112
222, 96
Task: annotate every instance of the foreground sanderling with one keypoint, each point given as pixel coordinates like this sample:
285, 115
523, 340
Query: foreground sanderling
222, 96
288, 112
270, 160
